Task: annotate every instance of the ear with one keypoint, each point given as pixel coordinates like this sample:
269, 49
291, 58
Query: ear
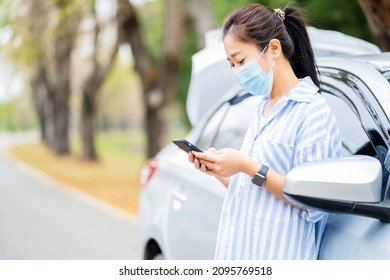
274, 48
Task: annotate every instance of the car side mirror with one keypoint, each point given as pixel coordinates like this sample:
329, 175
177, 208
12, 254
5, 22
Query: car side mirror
351, 185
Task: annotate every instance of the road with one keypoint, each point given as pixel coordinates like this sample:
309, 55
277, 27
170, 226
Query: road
42, 220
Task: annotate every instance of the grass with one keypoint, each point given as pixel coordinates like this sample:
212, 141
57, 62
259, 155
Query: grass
114, 179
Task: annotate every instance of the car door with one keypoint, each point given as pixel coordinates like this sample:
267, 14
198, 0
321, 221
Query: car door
364, 126
196, 198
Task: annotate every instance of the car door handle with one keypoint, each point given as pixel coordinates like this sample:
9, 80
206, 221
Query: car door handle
179, 196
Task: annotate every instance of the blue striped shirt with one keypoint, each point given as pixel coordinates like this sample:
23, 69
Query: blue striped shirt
255, 224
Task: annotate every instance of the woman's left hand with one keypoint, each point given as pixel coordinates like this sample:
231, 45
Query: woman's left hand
225, 162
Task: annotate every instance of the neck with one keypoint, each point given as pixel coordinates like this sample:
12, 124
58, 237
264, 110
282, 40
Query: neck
284, 79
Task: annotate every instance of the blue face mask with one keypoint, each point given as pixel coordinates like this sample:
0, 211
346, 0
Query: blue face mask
254, 80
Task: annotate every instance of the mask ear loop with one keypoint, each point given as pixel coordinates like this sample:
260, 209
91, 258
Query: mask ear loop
272, 65
273, 61
261, 53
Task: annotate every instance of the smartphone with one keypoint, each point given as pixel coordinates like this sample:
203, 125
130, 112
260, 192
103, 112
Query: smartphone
186, 145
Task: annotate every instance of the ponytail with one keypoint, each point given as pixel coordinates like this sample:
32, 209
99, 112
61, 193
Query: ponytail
302, 61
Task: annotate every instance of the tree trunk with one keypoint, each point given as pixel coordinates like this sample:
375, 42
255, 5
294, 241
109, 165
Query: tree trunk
156, 118
53, 28
36, 26
39, 96
88, 151
130, 32
88, 111
58, 75
61, 121
56, 112
159, 101
50, 131
377, 14
158, 85
90, 91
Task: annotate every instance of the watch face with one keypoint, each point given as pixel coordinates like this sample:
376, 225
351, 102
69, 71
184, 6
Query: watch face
258, 179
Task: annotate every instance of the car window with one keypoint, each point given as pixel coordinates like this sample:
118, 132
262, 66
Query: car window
359, 133
353, 134
228, 125
207, 135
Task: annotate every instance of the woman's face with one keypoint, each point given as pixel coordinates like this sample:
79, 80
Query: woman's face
238, 53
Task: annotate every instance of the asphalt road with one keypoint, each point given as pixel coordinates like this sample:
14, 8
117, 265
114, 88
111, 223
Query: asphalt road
42, 220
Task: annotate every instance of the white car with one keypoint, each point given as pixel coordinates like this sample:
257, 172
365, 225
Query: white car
179, 206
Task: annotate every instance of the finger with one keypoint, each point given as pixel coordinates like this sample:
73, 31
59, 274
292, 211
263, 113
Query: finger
191, 157
209, 165
197, 164
205, 156
212, 149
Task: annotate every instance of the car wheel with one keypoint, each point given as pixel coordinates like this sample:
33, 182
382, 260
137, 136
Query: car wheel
153, 251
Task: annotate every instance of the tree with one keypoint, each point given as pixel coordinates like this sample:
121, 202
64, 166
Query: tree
158, 81
37, 69
378, 17
50, 71
49, 31
92, 84
44, 37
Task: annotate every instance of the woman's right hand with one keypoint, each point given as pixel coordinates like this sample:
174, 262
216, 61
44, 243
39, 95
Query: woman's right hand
193, 159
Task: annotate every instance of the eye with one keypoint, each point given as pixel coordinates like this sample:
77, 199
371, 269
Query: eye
241, 62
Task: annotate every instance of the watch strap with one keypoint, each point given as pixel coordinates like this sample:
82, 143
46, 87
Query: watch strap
263, 170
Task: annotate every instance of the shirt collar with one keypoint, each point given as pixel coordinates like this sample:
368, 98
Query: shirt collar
303, 91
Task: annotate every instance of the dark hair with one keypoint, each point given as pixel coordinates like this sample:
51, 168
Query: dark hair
255, 23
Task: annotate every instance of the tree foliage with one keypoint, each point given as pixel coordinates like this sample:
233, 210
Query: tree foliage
45, 37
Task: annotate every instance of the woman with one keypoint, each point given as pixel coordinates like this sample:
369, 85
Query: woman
271, 56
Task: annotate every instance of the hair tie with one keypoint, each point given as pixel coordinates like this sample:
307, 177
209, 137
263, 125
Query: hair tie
280, 13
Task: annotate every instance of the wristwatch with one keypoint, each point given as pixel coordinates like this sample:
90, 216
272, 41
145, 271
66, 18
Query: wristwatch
259, 177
